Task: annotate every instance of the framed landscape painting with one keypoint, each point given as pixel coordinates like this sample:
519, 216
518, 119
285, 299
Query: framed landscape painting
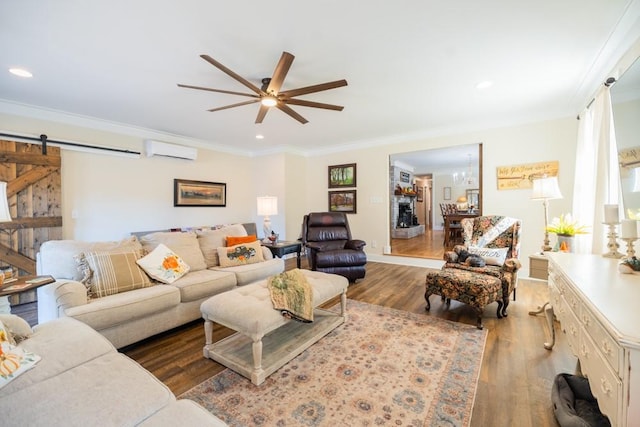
199, 193
342, 201
342, 175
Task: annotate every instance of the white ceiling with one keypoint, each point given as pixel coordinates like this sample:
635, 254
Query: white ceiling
412, 65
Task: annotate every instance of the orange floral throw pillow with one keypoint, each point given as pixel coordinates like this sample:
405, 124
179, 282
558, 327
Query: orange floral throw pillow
163, 265
236, 240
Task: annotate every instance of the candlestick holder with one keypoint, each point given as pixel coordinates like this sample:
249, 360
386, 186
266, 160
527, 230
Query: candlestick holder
612, 245
630, 250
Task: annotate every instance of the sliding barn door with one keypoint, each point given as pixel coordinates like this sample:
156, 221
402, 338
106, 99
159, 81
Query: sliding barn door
34, 193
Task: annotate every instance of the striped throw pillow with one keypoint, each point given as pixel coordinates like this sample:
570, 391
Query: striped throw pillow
108, 273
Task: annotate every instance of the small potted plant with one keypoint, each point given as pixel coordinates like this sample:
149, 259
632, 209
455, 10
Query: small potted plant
566, 228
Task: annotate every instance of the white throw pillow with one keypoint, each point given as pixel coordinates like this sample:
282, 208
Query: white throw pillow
185, 244
492, 256
164, 265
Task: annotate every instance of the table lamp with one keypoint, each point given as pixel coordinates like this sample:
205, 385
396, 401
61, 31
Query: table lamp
267, 205
546, 189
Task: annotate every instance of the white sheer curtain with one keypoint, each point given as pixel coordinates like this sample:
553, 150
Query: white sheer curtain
597, 179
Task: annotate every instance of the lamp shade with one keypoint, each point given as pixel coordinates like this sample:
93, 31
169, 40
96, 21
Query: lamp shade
546, 188
267, 205
5, 215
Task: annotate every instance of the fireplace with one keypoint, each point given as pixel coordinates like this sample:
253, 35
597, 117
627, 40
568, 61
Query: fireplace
405, 215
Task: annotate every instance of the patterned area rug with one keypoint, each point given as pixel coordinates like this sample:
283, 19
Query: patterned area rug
382, 367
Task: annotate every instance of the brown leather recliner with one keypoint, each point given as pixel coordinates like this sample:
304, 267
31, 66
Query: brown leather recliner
330, 248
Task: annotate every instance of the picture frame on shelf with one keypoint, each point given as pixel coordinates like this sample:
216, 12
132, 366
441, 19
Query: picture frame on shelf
342, 175
199, 193
404, 176
343, 201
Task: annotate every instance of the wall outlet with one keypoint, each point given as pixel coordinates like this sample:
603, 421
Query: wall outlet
374, 243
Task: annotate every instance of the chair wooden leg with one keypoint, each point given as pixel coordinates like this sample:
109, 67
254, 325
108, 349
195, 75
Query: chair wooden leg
479, 312
426, 297
499, 312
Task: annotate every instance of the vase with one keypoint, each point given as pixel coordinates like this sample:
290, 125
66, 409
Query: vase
565, 243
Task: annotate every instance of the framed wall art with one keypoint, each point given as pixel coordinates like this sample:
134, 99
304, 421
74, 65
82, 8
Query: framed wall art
199, 193
446, 193
342, 175
342, 201
405, 176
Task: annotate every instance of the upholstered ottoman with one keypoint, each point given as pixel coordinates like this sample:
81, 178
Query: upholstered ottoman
265, 339
474, 289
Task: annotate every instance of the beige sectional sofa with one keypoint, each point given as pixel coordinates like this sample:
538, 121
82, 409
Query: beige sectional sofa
132, 315
81, 380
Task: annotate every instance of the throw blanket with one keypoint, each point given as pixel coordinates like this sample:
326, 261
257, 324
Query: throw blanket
292, 295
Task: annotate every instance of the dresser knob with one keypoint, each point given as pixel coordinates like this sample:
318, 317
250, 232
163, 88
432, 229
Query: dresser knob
606, 349
605, 386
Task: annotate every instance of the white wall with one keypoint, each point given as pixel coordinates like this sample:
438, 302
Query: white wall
549, 140
113, 196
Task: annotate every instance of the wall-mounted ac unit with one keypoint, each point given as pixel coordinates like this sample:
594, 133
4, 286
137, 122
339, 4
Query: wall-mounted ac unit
157, 148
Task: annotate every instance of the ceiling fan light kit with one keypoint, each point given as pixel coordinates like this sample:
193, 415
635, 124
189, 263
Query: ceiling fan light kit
269, 95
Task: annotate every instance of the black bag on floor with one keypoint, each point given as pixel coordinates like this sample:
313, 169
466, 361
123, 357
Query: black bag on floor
573, 403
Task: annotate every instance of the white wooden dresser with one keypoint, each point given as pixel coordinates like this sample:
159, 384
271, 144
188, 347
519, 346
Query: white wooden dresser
599, 310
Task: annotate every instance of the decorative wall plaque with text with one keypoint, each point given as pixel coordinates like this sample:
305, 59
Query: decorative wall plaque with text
516, 177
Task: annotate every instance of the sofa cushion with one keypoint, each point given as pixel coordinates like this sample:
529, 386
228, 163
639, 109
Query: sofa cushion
108, 273
118, 309
57, 257
163, 264
250, 273
188, 412
204, 283
211, 240
62, 344
241, 254
184, 244
108, 390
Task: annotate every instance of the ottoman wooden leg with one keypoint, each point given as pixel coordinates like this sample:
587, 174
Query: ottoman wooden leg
426, 297
208, 336
257, 376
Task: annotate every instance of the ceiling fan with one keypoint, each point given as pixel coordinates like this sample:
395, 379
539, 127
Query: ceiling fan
269, 94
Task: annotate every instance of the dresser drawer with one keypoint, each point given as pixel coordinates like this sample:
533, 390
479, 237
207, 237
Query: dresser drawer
604, 343
571, 327
604, 383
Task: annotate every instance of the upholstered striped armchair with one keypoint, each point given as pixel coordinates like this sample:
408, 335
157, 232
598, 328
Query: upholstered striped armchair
497, 240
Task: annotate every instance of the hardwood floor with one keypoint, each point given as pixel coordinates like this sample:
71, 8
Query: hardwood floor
428, 245
514, 387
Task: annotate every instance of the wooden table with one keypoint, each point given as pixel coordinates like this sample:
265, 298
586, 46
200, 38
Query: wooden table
21, 284
452, 222
280, 249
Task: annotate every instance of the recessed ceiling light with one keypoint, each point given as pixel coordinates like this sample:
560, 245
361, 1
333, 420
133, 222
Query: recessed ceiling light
484, 85
259, 136
20, 72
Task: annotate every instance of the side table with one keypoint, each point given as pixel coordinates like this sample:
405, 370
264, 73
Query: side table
21, 284
538, 267
280, 249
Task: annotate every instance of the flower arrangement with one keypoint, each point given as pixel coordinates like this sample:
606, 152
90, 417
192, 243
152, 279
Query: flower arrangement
566, 226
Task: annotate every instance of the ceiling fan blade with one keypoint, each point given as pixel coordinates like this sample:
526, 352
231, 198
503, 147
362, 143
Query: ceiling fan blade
285, 108
239, 78
261, 113
311, 89
280, 72
230, 92
304, 103
239, 104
